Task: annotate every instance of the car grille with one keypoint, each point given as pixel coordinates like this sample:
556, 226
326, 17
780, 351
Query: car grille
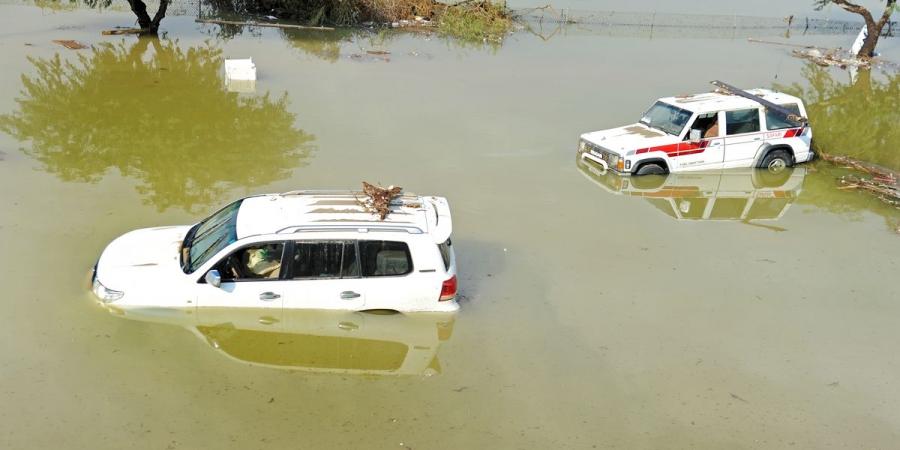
604, 154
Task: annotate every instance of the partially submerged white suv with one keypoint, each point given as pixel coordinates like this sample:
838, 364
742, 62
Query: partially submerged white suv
300, 249
716, 130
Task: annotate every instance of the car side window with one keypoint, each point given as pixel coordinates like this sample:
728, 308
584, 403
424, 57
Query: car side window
324, 259
253, 262
777, 121
741, 121
707, 124
385, 258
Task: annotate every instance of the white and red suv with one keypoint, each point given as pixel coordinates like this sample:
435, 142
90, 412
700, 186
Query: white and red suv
717, 130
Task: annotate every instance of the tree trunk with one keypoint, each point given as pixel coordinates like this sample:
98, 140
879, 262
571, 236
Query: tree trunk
873, 28
140, 10
873, 31
160, 13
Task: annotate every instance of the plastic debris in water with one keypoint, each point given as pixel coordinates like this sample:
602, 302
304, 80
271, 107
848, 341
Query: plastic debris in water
240, 75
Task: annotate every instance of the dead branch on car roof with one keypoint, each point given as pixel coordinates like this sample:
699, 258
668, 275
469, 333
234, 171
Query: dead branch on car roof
379, 198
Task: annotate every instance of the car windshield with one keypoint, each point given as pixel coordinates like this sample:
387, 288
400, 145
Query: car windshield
209, 236
666, 117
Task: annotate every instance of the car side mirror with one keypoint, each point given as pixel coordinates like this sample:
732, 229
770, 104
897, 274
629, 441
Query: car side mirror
695, 134
213, 278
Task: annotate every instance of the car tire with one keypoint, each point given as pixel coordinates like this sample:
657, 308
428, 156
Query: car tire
650, 169
777, 161
765, 178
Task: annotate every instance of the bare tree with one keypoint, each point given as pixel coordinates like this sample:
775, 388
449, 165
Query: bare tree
873, 28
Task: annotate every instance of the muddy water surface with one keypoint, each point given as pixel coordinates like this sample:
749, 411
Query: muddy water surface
705, 311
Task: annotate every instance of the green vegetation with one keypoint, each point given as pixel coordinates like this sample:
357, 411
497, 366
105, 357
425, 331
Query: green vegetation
333, 12
476, 21
470, 20
857, 119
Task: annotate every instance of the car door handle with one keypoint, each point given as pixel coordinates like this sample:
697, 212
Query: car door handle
348, 326
268, 296
347, 295
716, 144
757, 139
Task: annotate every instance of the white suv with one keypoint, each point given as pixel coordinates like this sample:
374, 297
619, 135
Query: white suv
301, 249
716, 130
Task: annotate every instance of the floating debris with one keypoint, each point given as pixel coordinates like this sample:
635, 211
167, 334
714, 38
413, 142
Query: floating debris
123, 30
883, 184
831, 57
70, 44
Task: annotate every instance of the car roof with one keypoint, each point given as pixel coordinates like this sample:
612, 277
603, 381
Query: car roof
717, 101
297, 211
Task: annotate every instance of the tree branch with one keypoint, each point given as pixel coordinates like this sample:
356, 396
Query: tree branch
854, 8
886, 15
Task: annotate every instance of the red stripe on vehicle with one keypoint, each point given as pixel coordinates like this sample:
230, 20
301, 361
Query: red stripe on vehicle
793, 132
677, 149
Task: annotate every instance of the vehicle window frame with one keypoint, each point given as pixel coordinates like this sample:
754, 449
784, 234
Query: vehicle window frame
759, 123
409, 257
354, 242
789, 125
281, 274
686, 132
680, 131
185, 260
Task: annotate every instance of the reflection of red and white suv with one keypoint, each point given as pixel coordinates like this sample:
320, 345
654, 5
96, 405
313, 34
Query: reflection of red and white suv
722, 129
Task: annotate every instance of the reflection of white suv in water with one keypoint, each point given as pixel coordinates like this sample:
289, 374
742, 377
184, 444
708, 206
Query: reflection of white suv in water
717, 130
739, 194
304, 249
348, 342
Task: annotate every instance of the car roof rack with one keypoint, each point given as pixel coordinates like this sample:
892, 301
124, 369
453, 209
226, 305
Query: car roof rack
361, 227
790, 115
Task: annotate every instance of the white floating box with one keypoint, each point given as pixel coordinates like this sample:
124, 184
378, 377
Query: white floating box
240, 75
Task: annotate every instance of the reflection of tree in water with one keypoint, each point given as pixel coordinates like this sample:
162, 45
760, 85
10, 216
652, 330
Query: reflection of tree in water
163, 119
857, 119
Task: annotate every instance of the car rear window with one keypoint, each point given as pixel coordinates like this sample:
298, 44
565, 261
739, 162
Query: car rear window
777, 121
445, 253
385, 258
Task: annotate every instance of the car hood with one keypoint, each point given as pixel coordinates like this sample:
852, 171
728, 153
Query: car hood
629, 137
136, 255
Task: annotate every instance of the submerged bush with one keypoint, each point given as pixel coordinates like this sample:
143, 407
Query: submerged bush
333, 12
477, 21
472, 20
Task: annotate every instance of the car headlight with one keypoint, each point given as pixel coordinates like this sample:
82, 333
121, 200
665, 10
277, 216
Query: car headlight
105, 294
582, 146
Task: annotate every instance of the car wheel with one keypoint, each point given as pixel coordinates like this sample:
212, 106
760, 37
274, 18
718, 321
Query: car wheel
766, 178
651, 169
777, 161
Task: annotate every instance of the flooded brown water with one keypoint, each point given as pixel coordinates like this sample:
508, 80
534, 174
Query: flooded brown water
705, 312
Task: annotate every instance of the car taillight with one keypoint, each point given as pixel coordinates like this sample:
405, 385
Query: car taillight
448, 289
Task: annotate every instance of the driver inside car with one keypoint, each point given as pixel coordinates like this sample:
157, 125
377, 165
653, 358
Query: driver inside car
263, 262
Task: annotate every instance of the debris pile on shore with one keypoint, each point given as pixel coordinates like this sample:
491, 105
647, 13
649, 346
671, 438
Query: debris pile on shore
378, 199
882, 183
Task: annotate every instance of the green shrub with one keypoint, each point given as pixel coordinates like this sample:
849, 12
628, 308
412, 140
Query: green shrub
476, 21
